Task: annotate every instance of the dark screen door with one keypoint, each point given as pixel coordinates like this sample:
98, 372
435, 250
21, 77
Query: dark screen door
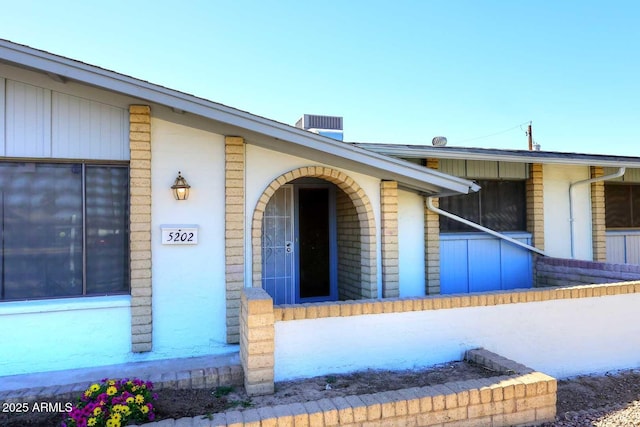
314, 237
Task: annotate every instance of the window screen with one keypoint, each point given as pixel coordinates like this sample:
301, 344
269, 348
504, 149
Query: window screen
499, 205
64, 230
622, 203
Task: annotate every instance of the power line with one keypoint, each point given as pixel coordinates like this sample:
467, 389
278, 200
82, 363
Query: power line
494, 134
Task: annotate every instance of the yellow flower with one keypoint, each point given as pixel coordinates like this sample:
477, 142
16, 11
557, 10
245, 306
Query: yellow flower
111, 390
87, 393
144, 409
111, 382
91, 422
139, 399
130, 399
97, 411
113, 422
126, 411
116, 417
135, 388
94, 387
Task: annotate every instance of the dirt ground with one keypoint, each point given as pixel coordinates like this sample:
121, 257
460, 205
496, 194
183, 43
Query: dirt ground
576, 394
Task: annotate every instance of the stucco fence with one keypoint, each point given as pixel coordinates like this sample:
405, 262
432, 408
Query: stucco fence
561, 331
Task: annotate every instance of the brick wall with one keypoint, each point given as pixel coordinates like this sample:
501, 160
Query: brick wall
517, 395
389, 233
569, 272
598, 227
234, 232
348, 230
432, 243
257, 341
367, 284
535, 205
140, 227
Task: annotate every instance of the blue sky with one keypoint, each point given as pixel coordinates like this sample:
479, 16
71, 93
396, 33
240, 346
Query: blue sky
397, 71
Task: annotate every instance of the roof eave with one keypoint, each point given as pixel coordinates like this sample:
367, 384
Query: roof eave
386, 167
580, 159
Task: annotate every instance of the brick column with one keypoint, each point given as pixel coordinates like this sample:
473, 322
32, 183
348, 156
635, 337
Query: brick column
234, 231
257, 341
535, 205
598, 226
389, 232
140, 227
432, 243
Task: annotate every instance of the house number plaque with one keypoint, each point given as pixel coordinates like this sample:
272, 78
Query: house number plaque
179, 234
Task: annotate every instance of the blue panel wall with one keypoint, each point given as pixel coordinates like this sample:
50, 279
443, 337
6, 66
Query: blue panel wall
453, 260
478, 262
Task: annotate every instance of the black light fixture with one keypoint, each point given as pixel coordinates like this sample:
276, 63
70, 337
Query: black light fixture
180, 188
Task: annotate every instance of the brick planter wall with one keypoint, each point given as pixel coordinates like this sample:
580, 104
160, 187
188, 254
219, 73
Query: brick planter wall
570, 272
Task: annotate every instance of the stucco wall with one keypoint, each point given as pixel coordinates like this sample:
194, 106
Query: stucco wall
263, 166
411, 243
562, 331
188, 281
67, 333
557, 179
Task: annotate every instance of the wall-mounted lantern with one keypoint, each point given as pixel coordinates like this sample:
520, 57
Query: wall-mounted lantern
180, 188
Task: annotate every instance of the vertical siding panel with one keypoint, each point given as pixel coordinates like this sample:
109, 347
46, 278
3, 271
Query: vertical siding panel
47, 142
3, 116
25, 109
516, 265
482, 169
484, 265
89, 129
631, 175
632, 249
452, 167
454, 271
616, 249
512, 170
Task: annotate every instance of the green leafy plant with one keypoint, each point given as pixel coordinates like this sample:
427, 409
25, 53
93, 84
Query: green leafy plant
113, 403
222, 391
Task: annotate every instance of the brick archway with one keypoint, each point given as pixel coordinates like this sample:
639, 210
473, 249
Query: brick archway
357, 201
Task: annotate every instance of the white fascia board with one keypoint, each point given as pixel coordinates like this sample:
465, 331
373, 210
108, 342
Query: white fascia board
580, 159
412, 175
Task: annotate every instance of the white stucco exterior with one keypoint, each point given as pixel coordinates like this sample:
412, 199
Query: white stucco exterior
557, 225
561, 338
188, 281
411, 244
65, 333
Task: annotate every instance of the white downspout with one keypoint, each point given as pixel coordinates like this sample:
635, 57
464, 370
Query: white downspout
479, 227
586, 181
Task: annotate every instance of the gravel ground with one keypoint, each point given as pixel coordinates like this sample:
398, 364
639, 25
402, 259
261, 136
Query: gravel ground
612, 416
610, 400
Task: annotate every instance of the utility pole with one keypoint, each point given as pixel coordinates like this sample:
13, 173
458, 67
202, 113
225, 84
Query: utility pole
530, 134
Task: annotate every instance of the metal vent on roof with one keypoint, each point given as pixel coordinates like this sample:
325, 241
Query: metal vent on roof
312, 121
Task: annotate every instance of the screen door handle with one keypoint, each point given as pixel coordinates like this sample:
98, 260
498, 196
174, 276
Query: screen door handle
288, 246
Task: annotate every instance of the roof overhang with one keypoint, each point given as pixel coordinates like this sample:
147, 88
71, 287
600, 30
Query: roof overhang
517, 156
256, 130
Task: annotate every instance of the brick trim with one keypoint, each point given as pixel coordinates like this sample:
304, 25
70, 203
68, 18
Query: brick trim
432, 242
598, 210
363, 208
234, 232
535, 205
389, 233
140, 227
446, 302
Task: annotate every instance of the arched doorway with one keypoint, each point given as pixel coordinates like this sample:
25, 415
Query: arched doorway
313, 237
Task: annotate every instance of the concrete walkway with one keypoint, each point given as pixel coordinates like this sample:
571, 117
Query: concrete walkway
195, 371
